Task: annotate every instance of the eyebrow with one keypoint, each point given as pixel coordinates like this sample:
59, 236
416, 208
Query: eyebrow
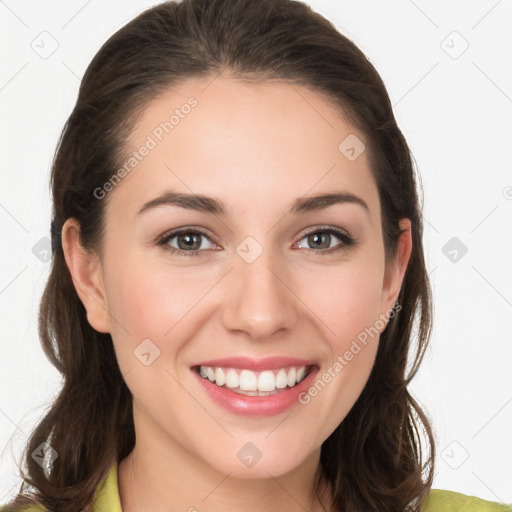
206, 204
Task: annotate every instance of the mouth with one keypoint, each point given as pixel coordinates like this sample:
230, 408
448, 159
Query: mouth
251, 383
250, 387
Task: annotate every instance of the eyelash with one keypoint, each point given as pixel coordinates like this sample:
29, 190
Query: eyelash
347, 241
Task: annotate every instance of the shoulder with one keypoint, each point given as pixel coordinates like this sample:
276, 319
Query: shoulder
106, 497
449, 501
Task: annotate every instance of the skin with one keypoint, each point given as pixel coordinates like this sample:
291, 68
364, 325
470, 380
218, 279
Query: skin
256, 147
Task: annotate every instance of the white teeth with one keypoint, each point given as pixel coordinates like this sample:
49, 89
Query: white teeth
292, 377
232, 380
266, 381
281, 379
247, 380
220, 377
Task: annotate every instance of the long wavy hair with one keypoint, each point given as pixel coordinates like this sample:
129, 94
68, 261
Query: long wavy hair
381, 456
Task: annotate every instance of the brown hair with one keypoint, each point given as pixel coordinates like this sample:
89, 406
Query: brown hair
373, 461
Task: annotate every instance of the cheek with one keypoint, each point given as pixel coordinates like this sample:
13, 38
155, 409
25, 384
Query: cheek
350, 310
154, 301
347, 303
137, 299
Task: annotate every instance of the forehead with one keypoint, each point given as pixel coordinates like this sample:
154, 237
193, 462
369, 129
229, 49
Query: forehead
249, 143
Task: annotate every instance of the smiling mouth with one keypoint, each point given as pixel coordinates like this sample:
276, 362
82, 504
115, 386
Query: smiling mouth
250, 383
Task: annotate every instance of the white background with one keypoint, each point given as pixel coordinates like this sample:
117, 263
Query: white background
455, 110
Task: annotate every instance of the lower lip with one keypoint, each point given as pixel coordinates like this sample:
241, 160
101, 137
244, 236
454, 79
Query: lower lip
244, 405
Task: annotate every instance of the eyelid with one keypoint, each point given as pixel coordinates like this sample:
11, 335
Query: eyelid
171, 233
323, 227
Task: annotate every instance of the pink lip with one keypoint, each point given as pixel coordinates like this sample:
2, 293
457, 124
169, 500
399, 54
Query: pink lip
244, 405
256, 365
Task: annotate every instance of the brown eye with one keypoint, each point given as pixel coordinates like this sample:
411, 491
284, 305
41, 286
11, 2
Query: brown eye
188, 242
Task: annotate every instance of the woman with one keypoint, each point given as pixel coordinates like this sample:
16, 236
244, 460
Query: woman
237, 264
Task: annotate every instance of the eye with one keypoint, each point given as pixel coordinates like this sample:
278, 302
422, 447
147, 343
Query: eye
322, 239
189, 242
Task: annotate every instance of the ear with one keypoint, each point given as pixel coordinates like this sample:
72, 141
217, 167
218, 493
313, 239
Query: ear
87, 275
395, 272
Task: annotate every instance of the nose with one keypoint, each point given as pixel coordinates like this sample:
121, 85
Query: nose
260, 298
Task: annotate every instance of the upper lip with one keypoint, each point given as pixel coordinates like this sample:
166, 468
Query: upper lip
255, 364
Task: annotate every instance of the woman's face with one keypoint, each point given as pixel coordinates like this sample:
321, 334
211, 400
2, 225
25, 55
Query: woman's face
267, 280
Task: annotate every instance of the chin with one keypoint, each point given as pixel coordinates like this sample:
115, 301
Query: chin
258, 458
